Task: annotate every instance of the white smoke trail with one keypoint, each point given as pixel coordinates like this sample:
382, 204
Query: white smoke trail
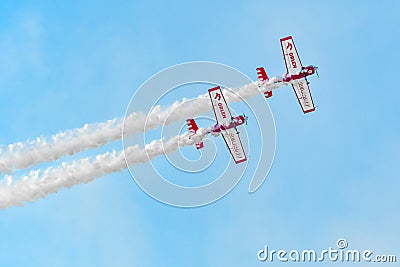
26, 154
38, 184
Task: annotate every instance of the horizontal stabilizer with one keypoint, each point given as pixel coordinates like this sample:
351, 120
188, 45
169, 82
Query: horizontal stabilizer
200, 145
262, 76
192, 126
268, 94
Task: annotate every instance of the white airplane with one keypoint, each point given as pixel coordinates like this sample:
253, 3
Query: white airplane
226, 125
296, 75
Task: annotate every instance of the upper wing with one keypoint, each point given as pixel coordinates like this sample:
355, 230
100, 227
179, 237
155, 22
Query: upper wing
303, 94
234, 145
292, 60
221, 109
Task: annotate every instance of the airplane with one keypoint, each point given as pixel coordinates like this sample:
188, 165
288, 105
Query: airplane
226, 125
296, 75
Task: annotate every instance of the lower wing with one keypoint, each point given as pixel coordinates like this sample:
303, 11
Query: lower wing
234, 145
303, 94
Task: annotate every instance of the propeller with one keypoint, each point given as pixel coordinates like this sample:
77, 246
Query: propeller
316, 71
245, 118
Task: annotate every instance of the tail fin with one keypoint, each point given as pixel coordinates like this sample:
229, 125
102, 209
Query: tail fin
192, 126
262, 76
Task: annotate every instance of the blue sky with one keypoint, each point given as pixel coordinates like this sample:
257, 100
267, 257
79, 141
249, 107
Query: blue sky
63, 65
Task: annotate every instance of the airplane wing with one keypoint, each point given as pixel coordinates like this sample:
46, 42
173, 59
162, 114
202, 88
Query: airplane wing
292, 60
221, 109
234, 145
303, 94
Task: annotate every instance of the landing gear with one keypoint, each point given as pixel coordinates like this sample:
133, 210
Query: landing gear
234, 124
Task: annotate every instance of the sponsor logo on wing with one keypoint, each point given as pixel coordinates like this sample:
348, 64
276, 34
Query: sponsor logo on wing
303, 95
292, 60
217, 96
235, 145
221, 110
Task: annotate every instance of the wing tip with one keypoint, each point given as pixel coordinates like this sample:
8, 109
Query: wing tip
286, 38
308, 110
214, 88
240, 161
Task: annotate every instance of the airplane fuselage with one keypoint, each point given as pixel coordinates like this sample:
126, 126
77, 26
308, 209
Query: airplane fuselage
306, 71
236, 121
